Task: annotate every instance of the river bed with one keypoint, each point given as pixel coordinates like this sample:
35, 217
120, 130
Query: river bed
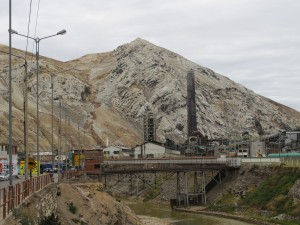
168, 216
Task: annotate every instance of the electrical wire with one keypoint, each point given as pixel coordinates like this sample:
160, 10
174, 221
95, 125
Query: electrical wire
28, 28
36, 22
37, 16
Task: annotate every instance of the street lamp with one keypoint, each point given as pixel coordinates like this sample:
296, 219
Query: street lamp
52, 134
10, 106
37, 48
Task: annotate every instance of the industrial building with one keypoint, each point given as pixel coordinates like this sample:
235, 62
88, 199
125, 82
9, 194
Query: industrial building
88, 159
113, 152
149, 126
154, 150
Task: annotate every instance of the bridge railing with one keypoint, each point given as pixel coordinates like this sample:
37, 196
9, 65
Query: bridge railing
225, 161
169, 164
12, 196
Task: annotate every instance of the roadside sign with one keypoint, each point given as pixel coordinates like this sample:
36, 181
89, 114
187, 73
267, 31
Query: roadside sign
31, 163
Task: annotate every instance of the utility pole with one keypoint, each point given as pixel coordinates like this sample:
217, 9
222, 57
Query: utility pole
52, 135
79, 145
59, 150
65, 136
26, 120
25, 105
10, 131
69, 146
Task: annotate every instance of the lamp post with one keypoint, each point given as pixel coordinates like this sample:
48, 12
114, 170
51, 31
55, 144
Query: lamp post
37, 48
52, 135
10, 107
59, 148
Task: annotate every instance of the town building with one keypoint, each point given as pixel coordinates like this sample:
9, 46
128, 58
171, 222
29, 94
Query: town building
4, 158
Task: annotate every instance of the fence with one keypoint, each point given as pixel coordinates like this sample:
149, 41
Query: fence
13, 196
261, 161
285, 161
291, 162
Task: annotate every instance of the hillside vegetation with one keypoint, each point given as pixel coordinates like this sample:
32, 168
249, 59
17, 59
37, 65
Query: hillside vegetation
274, 196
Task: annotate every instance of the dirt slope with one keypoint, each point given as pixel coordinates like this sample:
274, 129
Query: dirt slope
93, 206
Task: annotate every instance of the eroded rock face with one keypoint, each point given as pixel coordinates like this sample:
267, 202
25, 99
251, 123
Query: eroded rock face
107, 94
149, 77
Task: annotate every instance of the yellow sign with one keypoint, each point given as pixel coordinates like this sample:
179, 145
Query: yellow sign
31, 163
34, 168
78, 159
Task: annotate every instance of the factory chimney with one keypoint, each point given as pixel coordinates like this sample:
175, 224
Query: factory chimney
191, 103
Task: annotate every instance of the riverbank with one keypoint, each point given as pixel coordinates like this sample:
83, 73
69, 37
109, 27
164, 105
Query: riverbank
184, 217
149, 220
205, 211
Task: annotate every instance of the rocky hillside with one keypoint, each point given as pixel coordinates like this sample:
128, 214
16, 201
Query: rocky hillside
80, 203
104, 96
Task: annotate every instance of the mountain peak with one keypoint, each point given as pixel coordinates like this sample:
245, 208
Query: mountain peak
140, 41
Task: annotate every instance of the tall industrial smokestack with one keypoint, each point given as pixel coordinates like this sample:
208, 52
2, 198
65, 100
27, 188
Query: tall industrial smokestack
191, 103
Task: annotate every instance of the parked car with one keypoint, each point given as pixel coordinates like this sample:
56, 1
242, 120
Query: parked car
4, 176
48, 170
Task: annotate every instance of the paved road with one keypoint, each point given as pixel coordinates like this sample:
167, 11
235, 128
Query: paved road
16, 179
19, 179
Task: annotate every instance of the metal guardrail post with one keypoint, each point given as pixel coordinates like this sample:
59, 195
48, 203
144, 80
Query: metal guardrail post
10, 198
4, 203
18, 194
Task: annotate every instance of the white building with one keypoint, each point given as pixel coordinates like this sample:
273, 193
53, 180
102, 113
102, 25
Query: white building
154, 150
113, 152
4, 161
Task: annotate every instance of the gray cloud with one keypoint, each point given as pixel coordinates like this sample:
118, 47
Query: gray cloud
253, 42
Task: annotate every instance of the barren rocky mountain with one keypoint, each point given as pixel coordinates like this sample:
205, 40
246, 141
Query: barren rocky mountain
104, 97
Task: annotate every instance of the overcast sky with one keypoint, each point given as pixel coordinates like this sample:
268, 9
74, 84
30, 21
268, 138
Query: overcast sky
253, 42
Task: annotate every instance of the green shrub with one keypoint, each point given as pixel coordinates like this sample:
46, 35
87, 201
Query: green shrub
72, 208
23, 219
75, 220
50, 220
151, 193
26, 221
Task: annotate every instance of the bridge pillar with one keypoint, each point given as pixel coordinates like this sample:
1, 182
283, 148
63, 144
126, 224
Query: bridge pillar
178, 190
196, 185
131, 185
203, 188
186, 190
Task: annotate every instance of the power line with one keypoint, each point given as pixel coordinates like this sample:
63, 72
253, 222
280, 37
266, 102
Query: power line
37, 16
36, 22
28, 27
